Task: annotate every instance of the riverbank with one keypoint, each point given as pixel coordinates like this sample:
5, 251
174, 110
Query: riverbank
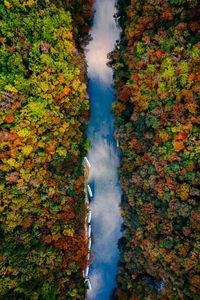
88, 261
87, 203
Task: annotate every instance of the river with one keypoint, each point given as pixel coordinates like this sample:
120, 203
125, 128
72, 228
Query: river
103, 156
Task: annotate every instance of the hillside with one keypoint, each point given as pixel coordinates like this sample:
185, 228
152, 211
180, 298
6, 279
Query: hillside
157, 74
43, 116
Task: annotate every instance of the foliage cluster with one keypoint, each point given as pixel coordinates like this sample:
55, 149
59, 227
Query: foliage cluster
81, 11
43, 115
157, 79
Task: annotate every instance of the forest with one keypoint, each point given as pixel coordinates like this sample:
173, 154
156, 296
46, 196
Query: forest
157, 89
44, 111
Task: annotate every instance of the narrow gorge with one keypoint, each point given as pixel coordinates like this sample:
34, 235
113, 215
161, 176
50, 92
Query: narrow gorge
103, 156
99, 149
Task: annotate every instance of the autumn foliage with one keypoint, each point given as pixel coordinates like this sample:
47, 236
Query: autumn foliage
43, 115
156, 72
82, 14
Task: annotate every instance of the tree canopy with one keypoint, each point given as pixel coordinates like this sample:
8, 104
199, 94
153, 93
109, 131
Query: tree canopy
43, 115
157, 72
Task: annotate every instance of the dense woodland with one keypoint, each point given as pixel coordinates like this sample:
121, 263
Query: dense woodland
43, 115
44, 111
157, 80
82, 16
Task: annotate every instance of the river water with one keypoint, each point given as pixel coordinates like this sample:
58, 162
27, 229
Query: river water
104, 156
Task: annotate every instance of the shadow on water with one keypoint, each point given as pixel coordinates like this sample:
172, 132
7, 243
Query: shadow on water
104, 156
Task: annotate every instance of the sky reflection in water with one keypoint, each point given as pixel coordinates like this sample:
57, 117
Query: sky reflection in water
106, 216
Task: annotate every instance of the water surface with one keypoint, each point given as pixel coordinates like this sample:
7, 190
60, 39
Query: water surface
104, 157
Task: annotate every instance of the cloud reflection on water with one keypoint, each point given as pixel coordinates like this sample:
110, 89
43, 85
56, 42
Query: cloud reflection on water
106, 216
105, 206
105, 213
104, 33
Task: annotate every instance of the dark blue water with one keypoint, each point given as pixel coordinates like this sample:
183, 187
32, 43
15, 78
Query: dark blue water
100, 104
104, 157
